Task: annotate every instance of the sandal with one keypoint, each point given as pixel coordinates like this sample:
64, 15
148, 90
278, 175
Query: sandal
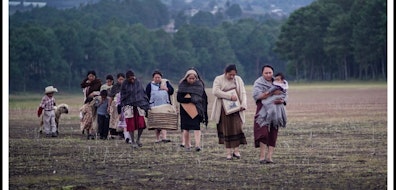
270, 162
236, 156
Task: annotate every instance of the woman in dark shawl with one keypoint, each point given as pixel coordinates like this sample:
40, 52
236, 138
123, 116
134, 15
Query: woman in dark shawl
91, 85
193, 107
133, 95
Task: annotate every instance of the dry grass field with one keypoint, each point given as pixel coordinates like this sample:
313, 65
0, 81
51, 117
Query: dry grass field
336, 138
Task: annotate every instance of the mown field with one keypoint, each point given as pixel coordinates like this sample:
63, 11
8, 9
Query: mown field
336, 138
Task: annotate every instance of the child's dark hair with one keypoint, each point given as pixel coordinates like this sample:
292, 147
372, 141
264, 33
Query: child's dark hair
281, 75
103, 93
120, 75
109, 77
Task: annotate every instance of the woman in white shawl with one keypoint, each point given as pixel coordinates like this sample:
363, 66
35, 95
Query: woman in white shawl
159, 92
229, 127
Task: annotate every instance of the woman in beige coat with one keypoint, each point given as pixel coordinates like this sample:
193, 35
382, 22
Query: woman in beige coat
229, 126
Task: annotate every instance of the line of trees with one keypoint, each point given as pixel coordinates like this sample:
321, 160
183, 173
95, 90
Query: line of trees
327, 40
336, 39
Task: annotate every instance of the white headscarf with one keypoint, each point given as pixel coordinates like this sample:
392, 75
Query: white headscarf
188, 73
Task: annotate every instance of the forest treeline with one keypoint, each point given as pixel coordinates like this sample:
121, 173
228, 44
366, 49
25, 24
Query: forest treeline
326, 40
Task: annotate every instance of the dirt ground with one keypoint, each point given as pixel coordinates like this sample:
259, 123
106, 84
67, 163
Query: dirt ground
336, 138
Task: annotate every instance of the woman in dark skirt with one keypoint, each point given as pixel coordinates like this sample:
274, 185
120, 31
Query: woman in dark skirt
193, 107
265, 136
229, 127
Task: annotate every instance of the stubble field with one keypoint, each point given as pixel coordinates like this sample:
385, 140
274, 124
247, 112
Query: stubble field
336, 138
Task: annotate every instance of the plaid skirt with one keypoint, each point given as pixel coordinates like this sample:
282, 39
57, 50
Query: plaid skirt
229, 130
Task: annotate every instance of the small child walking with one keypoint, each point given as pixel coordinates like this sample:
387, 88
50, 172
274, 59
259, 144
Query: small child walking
86, 120
47, 105
103, 116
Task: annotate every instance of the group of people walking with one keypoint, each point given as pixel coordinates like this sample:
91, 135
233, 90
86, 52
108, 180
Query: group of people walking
120, 109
